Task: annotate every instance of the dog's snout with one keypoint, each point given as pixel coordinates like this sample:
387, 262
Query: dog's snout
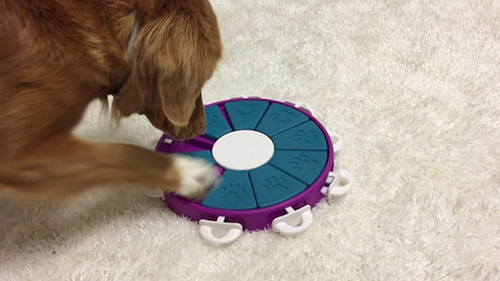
201, 131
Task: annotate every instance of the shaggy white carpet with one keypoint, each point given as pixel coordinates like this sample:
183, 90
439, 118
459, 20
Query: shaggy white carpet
413, 86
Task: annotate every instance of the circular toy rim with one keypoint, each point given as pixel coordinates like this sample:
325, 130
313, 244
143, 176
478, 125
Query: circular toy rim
172, 199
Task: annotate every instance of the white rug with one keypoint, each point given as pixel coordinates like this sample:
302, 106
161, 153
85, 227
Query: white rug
413, 86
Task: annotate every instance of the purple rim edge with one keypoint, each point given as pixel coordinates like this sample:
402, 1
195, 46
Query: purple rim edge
255, 219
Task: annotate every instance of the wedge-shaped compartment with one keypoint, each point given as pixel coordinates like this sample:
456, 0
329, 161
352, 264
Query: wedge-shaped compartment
303, 165
216, 123
233, 193
245, 115
279, 118
168, 145
272, 186
307, 136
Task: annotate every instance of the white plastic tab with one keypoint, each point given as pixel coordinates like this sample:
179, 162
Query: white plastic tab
220, 232
246, 97
167, 141
155, 193
339, 182
295, 222
305, 107
243, 150
338, 142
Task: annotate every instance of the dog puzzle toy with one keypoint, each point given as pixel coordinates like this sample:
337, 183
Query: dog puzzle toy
276, 162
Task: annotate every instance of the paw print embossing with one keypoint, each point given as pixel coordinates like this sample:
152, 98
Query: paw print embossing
212, 119
235, 190
302, 161
282, 116
273, 183
304, 136
246, 109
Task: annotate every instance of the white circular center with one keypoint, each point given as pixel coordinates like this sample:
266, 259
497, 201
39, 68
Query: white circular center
243, 150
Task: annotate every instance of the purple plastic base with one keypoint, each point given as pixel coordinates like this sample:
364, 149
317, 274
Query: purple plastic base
255, 219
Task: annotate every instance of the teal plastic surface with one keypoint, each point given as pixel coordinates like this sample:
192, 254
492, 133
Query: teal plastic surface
203, 154
299, 158
233, 193
245, 115
303, 165
216, 124
272, 186
306, 136
279, 118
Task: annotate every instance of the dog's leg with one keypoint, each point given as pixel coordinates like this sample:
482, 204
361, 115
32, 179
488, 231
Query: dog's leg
64, 165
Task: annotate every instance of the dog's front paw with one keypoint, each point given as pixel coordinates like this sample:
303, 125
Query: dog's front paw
197, 177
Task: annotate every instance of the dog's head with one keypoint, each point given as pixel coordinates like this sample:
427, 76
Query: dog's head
176, 51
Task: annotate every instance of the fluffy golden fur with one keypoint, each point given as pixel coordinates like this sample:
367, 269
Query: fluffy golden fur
56, 56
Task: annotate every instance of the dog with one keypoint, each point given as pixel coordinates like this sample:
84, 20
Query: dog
57, 56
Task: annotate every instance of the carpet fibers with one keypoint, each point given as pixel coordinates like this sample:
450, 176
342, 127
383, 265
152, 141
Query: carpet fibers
414, 88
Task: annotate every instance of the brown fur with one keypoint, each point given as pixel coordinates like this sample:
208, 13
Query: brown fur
56, 56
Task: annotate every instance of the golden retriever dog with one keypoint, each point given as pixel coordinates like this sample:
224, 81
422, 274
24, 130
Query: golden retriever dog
57, 56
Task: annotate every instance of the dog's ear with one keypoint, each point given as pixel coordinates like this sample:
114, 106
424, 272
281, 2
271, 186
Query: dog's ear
176, 52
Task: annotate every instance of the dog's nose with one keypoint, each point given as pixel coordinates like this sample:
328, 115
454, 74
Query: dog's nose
201, 131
